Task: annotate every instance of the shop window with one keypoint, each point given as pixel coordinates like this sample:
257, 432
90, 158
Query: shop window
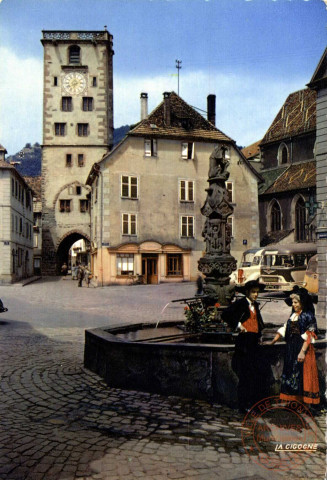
125, 264
174, 264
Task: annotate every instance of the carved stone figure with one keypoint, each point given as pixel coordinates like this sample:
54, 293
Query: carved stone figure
217, 263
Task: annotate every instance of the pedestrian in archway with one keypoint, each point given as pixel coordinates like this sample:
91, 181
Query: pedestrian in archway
80, 275
64, 269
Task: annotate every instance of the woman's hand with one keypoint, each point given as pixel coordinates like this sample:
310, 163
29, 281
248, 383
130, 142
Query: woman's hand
301, 356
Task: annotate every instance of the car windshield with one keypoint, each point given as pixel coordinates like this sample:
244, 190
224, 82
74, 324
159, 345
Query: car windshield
247, 259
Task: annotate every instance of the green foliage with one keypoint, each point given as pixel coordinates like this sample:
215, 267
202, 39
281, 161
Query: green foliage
199, 318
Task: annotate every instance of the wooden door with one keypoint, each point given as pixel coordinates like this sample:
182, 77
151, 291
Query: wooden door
150, 269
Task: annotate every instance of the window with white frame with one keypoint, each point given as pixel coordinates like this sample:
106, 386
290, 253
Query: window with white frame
230, 191
186, 190
188, 150
187, 226
230, 226
125, 263
174, 264
150, 147
129, 186
129, 224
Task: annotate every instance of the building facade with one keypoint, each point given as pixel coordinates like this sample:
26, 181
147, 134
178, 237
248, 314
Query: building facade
148, 191
287, 198
318, 84
77, 131
16, 226
35, 184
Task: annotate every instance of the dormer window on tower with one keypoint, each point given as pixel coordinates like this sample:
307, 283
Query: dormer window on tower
74, 54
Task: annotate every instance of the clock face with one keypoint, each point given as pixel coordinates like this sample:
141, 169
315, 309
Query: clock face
74, 83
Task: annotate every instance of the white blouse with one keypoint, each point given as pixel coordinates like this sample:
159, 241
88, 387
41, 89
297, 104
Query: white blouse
294, 317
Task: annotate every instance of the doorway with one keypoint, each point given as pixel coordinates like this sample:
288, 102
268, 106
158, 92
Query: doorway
150, 268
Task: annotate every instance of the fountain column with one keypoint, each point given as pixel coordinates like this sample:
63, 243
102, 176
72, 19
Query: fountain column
217, 264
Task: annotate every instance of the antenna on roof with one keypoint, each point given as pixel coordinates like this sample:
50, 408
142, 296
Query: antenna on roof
178, 66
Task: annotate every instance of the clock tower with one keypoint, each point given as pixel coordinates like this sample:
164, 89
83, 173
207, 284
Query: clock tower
77, 132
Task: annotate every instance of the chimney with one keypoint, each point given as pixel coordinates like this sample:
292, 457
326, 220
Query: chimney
144, 106
167, 108
211, 108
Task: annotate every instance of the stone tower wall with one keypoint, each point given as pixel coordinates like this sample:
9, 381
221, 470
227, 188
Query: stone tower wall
61, 181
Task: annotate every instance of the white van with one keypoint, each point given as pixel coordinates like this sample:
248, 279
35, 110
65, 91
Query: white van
279, 267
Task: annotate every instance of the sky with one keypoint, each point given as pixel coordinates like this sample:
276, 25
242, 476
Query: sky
250, 53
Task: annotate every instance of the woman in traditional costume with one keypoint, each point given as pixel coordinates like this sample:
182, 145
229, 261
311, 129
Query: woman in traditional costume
299, 379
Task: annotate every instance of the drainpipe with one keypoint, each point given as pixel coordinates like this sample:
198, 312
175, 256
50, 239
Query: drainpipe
101, 225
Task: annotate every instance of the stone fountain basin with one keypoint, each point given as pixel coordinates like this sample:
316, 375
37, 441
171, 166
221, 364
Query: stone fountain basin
170, 361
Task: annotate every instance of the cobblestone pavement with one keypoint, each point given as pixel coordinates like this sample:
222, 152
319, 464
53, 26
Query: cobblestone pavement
61, 422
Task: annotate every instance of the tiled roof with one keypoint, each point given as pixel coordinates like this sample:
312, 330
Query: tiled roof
296, 177
270, 176
251, 150
35, 184
297, 115
4, 164
185, 122
275, 237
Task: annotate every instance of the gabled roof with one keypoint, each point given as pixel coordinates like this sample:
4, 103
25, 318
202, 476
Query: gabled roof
7, 166
35, 184
296, 177
275, 237
185, 123
320, 74
4, 164
297, 116
252, 150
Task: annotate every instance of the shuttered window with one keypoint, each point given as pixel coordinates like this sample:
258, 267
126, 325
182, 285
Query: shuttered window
188, 150
186, 191
150, 147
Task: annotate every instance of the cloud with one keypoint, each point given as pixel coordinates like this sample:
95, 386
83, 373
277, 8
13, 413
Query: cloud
246, 103
20, 100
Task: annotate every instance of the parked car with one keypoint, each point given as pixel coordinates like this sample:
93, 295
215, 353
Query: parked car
311, 277
279, 267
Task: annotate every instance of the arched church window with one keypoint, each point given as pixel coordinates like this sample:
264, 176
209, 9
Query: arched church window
282, 154
275, 217
300, 217
74, 54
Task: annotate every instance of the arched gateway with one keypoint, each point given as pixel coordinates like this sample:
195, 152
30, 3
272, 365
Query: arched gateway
66, 243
